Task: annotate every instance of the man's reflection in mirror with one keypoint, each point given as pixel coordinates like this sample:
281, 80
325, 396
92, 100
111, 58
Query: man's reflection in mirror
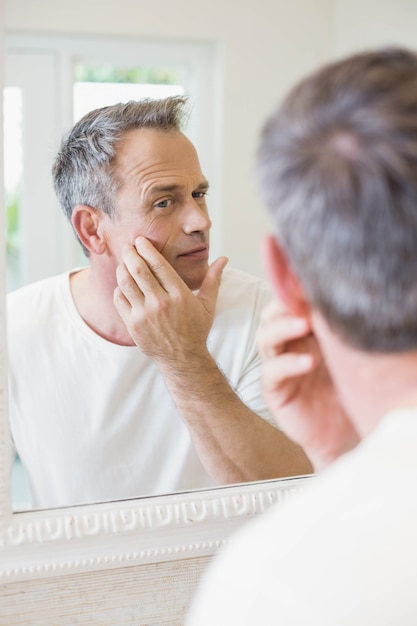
139, 374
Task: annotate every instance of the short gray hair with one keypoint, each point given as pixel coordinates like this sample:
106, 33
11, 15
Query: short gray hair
84, 172
337, 167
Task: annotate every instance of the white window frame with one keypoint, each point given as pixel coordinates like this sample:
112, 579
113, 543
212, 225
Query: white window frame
45, 72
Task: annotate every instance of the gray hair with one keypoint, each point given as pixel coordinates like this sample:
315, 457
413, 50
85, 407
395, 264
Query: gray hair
337, 166
84, 172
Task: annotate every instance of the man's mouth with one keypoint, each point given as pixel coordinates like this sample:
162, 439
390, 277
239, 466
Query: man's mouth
199, 253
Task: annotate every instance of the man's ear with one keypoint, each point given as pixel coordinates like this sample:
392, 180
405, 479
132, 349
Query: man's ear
283, 279
86, 222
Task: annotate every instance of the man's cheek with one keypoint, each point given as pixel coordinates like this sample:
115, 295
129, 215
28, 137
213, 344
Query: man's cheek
161, 243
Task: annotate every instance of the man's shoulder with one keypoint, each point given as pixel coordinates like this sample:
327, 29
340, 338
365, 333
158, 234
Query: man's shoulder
242, 297
42, 286
35, 301
237, 281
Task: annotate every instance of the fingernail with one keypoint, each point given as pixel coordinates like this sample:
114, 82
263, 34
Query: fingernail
305, 361
299, 323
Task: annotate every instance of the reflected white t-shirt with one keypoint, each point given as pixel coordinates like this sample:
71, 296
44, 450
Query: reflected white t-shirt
92, 420
343, 553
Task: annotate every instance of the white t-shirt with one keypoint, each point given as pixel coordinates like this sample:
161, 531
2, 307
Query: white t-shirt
343, 553
92, 420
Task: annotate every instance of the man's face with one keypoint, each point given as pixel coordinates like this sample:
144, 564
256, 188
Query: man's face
162, 197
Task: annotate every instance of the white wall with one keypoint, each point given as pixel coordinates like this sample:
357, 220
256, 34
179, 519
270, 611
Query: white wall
363, 24
262, 47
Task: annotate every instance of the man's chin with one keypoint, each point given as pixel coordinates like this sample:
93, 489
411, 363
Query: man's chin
194, 280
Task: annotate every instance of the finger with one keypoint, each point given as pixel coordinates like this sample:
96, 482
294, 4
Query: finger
278, 371
273, 336
281, 378
141, 273
122, 305
126, 282
289, 365
276, 309
273, 309
209, 289
159, 273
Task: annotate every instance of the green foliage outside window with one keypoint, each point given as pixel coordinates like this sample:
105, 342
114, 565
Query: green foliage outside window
12, 220
135, 75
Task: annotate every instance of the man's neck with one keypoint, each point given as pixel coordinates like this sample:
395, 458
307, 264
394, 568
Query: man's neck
370, 385
93, 299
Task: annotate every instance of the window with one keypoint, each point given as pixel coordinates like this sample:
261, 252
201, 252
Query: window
97, 85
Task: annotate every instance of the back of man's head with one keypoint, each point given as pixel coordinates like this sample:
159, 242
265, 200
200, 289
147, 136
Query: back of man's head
337, 167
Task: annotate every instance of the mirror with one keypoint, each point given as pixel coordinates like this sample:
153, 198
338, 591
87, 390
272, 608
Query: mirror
137, 444
235, 86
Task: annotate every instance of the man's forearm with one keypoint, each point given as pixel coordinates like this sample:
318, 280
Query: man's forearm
233, 443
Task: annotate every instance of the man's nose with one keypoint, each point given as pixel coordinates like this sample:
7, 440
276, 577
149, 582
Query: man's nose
195, 218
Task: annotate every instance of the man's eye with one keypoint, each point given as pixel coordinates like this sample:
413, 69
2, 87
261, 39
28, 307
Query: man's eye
163, 204
199, 194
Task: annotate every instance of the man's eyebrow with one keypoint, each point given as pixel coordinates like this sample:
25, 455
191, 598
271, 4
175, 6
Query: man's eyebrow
204, 185
163, 188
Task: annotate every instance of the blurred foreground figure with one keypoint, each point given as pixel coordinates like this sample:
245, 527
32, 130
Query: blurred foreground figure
337, 167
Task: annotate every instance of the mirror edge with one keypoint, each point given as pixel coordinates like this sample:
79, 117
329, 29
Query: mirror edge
5, 448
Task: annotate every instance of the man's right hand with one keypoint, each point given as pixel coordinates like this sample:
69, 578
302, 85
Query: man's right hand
161, 313
298, 389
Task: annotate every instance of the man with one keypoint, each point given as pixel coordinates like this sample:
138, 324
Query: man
338, 169
139, 374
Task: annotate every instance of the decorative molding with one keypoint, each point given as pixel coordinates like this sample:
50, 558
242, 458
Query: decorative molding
169, 512
111, 561
143, 531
